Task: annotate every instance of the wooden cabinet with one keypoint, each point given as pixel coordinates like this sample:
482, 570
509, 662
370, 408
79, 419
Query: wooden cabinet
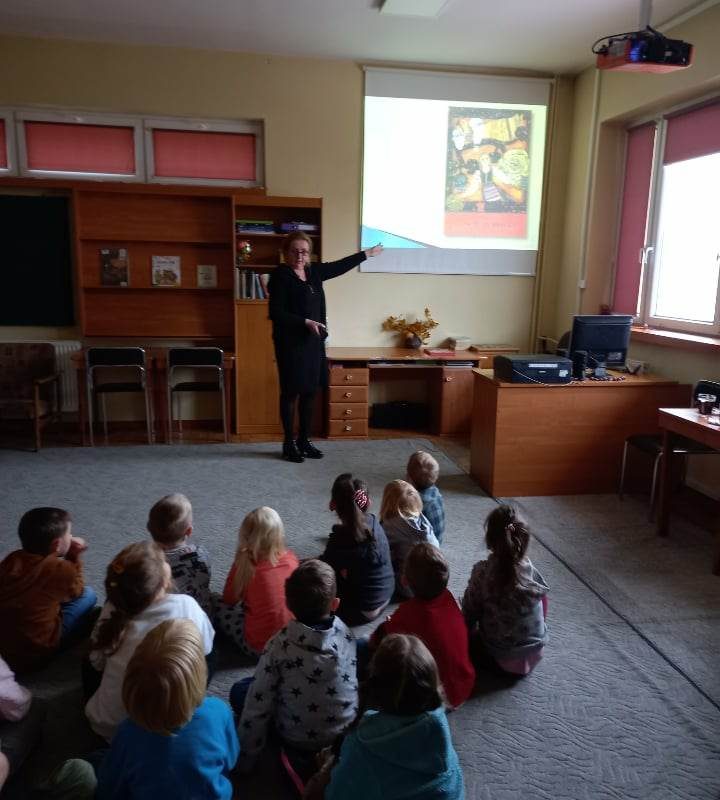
256, 381
452, 401
347, 407
195, 227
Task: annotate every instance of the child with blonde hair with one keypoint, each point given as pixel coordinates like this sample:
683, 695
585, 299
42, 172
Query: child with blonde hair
170, 523
137, 586
505, 601
405, 525
422, 472
253, 609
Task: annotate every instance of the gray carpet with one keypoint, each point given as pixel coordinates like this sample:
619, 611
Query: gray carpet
625, 702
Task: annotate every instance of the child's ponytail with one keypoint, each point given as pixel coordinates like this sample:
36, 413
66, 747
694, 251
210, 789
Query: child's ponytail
346, 498
507, 537
134, 578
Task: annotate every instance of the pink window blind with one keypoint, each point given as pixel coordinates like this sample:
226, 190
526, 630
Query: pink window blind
201, 154
67, 147
633, 218
3, 146
693, 134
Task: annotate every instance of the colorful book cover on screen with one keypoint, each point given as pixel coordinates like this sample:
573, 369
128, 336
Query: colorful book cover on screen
487, 171
114, 267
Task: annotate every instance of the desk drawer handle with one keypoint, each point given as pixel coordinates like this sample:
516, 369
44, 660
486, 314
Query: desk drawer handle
447, 380
348, 412
347, 428
347, 394
348, 377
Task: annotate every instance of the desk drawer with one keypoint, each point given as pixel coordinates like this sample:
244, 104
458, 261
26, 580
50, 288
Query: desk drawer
340, 376
348, 394
342, 427
348, 411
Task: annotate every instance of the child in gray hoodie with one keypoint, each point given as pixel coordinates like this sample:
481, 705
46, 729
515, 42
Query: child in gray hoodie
405, 525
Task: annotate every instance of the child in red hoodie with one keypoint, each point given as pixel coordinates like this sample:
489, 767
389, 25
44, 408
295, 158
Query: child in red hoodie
434, 616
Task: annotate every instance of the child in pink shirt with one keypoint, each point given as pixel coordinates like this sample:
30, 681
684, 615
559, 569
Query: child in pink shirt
252, 609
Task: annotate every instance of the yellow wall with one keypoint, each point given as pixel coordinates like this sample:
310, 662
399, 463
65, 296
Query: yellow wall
312, 111
623, 98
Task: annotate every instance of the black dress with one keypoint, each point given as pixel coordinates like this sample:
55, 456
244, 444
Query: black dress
299, 352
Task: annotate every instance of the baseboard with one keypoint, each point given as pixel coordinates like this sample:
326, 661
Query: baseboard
709, 491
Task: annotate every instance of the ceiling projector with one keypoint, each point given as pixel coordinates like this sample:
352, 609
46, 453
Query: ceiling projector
642, 51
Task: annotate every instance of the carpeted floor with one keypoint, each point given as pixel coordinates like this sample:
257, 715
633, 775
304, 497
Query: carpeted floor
625, 704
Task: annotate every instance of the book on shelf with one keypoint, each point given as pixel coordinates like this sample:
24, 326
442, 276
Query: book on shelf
252, 285
261, 226
114, 267
166, 271
297, 225
207, 276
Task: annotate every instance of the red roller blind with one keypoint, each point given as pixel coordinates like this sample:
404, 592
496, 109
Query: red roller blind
66, 147
693, 134
633, 219
201, 154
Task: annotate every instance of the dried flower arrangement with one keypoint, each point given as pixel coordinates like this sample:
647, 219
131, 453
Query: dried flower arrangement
420, 329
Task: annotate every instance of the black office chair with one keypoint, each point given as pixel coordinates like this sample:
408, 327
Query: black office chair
652, 445
207, 360
128, 360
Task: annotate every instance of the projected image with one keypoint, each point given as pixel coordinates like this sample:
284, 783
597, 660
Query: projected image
487, 172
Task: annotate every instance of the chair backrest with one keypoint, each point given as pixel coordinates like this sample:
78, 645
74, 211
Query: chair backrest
707, 387
194, 357
20, 364
115, 357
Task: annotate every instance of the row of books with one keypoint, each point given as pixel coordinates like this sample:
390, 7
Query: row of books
251, 285
165, 270
267, 226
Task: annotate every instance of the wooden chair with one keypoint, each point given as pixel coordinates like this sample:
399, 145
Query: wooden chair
208, 361
29, 385
129, 361
652, 445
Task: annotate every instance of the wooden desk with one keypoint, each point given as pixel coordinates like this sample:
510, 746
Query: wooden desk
353, 369
156, 365
530, 439
689, 423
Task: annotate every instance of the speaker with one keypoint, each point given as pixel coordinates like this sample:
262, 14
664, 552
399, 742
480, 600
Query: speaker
579, 359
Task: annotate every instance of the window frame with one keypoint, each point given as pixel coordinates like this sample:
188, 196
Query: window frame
254, 127
649, 269
7, 116
79, 118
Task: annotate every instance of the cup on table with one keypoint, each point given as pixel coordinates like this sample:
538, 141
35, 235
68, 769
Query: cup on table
704, 403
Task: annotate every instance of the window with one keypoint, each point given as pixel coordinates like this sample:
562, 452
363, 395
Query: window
672, 212
204, 152
7, 161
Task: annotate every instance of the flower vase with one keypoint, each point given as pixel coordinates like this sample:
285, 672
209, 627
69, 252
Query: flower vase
413, 341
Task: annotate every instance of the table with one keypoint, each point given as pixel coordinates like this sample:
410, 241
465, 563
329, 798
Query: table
541, 439
447, 375
689, 423
156, 365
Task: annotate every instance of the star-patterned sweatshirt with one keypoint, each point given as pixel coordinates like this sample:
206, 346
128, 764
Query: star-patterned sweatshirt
306, 683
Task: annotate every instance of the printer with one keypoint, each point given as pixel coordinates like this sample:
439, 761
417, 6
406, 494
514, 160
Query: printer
533, 369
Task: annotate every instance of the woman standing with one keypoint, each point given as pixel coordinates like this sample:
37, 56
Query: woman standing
299, 319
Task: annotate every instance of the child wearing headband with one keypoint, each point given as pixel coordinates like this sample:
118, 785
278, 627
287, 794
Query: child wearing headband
359, 553
505, 602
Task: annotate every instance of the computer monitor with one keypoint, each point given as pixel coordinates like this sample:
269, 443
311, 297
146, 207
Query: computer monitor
604, 337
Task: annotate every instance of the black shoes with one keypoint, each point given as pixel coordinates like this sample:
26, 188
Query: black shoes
308, 449
291, 453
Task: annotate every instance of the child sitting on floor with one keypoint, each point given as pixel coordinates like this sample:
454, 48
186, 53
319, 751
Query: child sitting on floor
405, 525
252, 609
401, 746
306, 680
434, 616
137, 587
170, 524
422, 473
506, 598
358, 551
43, 598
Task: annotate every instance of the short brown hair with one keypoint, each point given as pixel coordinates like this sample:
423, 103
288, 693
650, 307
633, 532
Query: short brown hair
400, 498
310, 590
422, 469
426, 571
166, 677
402, 678
40, 527
170, 518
